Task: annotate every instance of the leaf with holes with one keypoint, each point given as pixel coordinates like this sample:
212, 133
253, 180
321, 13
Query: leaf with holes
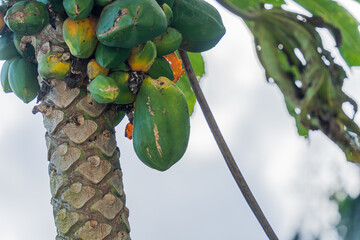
331, 12
291, 51
251, 4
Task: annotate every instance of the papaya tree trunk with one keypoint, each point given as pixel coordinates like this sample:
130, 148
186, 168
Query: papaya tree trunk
85, 175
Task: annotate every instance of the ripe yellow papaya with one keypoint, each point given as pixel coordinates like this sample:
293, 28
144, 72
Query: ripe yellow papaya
80, 36
94, 69
161, 123
54, 65
142, 57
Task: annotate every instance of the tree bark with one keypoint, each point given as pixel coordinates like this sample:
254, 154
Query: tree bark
85, 174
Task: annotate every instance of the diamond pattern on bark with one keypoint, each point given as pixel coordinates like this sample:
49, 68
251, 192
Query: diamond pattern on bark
92, 230
94, 169
90, 106
56, 181
109, 206
52, 120
80, 132
77, 195
116, 183
65, 156
122, 236
106, 142
64, 220
60, 95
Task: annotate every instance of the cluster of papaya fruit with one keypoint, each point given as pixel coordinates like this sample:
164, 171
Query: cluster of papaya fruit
126, 45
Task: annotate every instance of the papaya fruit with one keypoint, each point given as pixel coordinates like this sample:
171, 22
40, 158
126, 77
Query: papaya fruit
122, 81
7, 48
142, 56
56, 5
161, 68
118, 118
80, 36
199, 23
78, 9
127, 23
120, 67
170, 3
110, 57
23, 79
168, 42
161, 123
27, 17
94, 69
103, 3
27, 51
54, 65
104, 89
4, 75
168, 13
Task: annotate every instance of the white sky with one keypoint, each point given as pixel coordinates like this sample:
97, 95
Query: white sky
197, 198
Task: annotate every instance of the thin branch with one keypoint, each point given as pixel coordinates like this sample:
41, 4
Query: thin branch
229, 159
244, 15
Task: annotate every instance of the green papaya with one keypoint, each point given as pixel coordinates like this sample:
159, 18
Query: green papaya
7, 48
118, 118
23, 79
168, 13
161, 68
161, 123
103, 3
110, 57
168, 2
122, 81
78, 9
121, 67
199, 23
27, 17
80, 36
56, 5
27, 51
142, 56
4, 75
168, 42
127, 23
104, 89
54, 65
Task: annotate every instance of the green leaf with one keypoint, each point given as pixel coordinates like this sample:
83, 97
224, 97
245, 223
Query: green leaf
198, 64
334, 14
252, 4
292, 54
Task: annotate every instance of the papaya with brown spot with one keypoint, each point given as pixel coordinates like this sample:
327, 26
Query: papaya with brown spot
161, 123
127, 23
27, 17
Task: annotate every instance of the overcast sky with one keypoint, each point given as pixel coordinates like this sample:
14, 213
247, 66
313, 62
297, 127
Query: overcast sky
197, 198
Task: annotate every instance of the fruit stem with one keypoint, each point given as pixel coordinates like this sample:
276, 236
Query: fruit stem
229, 159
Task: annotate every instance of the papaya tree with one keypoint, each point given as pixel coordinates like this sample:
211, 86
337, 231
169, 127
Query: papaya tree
91, 64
